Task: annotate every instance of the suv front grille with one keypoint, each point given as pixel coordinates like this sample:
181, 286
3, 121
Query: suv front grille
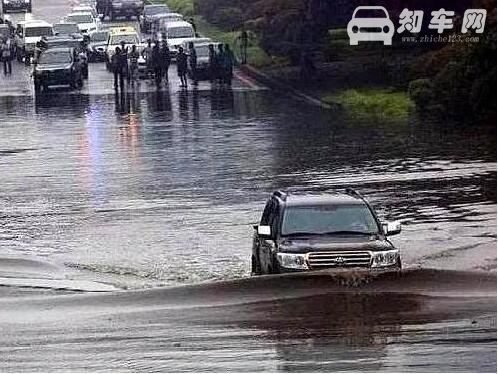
317, 260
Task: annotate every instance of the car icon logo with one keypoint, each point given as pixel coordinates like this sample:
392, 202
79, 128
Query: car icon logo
370, 23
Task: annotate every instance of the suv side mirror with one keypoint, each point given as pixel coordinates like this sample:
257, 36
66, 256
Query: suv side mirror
391, 228
264, 231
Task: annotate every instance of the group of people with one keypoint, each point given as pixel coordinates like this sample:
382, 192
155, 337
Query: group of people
221, 63
158, 58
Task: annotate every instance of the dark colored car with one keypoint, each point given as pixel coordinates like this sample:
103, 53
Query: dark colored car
16, 6
300, 232
125, 8
150, 13
97, 45
70, 42
57, 66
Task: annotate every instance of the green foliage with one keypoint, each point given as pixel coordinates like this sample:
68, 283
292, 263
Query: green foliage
382, 103
185, 7
229, 18
459, 79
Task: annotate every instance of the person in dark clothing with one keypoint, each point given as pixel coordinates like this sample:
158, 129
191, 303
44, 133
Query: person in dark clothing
181, 61
213, 63
192, 60
133, 64
117, 69
222, 64
6, 55
243, 43
229, 63
147, 55
165, 60
156, 63
124, 58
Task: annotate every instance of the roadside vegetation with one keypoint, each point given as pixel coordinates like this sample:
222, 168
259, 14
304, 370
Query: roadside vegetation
383, 103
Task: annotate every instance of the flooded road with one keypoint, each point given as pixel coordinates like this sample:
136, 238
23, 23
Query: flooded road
162, 188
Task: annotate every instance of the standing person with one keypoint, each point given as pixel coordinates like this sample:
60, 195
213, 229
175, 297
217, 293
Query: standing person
229, 63
192, 60
133, 63
194, 26
147, 56
243, 43
213, 63
6, 53
222, 64
116, 66
181, 61
124, 59
156, 63
165, 59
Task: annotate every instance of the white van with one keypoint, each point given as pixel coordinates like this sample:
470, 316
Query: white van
28, 33
176, 33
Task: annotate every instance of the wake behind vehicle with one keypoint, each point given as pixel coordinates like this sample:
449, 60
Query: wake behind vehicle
9, 6
57, 66
305, 231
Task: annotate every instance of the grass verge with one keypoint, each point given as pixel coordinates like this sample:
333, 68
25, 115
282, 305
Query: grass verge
380, 102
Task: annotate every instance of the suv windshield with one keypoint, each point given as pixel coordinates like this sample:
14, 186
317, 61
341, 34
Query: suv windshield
150, 11
55, 57
80, 18
128, 39
38, 31
328, 219
180, 32
66, 28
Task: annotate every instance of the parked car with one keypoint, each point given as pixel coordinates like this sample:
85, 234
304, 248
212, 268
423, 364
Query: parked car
128, 35
57, 66
97, 45
150, 13
176, 33
125, 8
86, 8
28, 33
69, 42
16, 6
202, 51
305, 231
85, 21
70, 29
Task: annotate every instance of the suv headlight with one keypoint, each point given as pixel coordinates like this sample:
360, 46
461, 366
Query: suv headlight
385, 258
292, 261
